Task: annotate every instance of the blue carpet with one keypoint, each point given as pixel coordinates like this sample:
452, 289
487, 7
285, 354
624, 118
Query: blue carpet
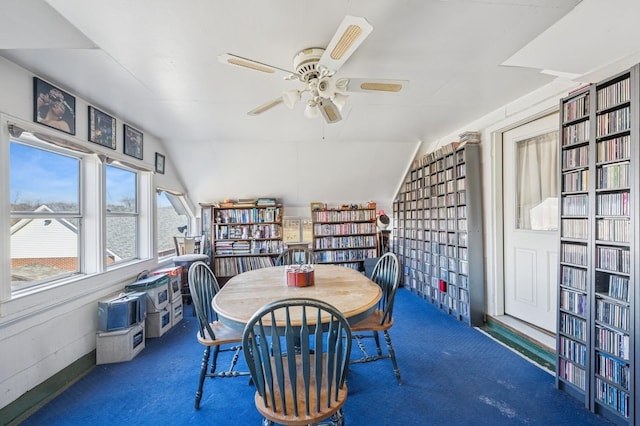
452, 375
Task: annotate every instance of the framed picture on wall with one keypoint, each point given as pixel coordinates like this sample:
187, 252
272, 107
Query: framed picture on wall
102, 128
53, 107
132, 142
159, 163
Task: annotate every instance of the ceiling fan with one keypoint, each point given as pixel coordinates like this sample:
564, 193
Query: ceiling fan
316, 68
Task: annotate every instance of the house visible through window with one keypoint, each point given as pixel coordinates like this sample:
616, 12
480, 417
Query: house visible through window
45, 215
121, 214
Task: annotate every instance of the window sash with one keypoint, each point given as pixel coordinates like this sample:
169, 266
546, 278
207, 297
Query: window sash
45, 244
121, 235
171, 220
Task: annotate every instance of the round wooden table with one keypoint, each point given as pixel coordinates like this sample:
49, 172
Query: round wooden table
351, 292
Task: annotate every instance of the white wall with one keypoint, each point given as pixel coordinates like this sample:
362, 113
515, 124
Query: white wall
42, 333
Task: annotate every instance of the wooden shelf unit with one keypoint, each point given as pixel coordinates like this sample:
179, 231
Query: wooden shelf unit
437, 232
345, 236
242, 238
598, 273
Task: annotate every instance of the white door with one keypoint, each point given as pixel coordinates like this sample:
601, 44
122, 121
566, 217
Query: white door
530, 173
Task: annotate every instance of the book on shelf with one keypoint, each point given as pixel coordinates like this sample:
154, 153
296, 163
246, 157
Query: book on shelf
468, 137
266, 202
245, 202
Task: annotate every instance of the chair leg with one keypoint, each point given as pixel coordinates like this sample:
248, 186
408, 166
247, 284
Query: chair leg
361, 346
203, 373
338, 418
392, 355
377, 340
234, 360
214, 360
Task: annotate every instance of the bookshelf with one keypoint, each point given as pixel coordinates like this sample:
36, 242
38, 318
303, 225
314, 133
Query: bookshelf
242, 237
344, 236
438, 229
596, 308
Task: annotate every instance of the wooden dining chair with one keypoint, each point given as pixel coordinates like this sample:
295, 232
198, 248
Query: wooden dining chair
300, 367
212, 333
296, 256
386, 274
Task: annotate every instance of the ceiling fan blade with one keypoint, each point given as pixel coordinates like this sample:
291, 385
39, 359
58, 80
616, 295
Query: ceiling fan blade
239, 61
350, 34
265, 107
329, 111
371, 85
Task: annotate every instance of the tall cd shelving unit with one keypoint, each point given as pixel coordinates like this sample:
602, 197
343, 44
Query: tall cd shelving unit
598, 276
438, 231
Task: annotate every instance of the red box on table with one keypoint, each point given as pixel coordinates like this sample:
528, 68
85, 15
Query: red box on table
299, 275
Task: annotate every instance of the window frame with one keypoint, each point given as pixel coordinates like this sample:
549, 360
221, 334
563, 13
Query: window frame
94, 276
49, 215
134, 214
181, 199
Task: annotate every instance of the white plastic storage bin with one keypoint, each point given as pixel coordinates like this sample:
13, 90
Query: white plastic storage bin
176, 312
158, 323
157, 289
120, 345
175, 281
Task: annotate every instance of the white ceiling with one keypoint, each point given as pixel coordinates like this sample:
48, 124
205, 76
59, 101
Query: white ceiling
153, 63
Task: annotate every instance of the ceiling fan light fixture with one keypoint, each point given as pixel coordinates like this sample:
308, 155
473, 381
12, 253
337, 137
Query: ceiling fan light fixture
290, 97
311, 110
326, 87
305, 63
316, 68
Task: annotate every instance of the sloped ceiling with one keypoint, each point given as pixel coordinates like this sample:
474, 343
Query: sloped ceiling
153, 63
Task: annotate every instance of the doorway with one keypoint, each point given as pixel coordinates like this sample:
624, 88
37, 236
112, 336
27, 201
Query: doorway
530, 225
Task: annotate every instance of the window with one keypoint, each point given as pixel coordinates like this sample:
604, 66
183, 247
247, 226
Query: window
537, 182
172, 221
121, 214
297, 230
45, 215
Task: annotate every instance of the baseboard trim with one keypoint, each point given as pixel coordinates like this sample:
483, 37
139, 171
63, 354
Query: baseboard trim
33, 400
528, 347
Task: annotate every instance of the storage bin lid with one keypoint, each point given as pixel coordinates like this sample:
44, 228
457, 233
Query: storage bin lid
149, 282
171, 271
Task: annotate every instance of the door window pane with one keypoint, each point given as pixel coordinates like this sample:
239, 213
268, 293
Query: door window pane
537, 182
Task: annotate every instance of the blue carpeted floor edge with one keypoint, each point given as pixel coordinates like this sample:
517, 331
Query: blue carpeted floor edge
452, 375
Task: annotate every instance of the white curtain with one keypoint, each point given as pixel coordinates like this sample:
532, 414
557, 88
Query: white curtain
537, 182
